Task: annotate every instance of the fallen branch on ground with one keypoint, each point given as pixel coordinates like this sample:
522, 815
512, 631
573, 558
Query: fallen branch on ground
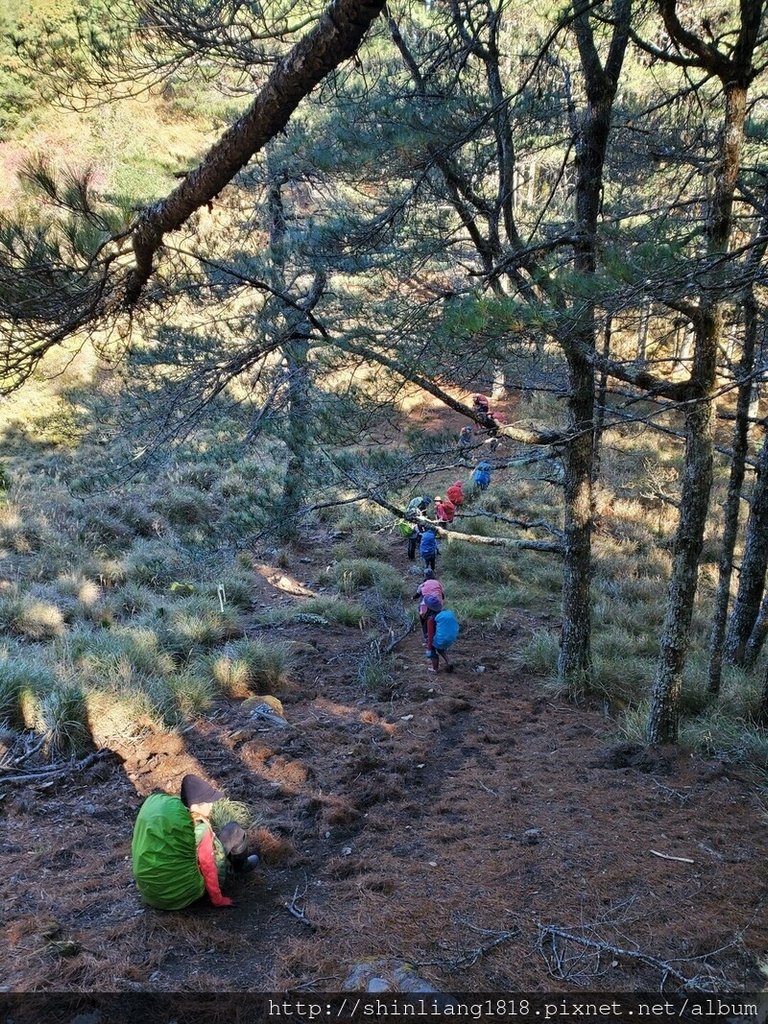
472, 955
667, 856
666, 968
299, 912
43, 774
396, 639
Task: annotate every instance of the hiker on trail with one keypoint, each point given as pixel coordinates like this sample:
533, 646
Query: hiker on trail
428, 548
445, 510
455, 493
412, 533
430, 588
432, 607
482, 409
481, 477
481, 404
176, 855
416, 507
446, 628
465, 436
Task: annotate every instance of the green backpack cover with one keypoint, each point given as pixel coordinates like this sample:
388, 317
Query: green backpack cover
164, 854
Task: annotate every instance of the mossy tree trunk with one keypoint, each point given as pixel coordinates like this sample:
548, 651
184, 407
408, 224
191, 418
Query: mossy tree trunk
579, 342
735, 75
735, 485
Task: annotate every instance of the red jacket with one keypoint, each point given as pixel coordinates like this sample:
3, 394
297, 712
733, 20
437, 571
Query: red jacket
455, 493
445, 511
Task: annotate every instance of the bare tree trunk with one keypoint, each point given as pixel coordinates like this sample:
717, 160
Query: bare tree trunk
735, 482
602, 393
295, 352
754, 563
697, 483
575, 660
700, 419
758, 636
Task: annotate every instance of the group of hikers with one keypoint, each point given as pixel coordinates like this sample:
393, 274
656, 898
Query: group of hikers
439, 625
182, 849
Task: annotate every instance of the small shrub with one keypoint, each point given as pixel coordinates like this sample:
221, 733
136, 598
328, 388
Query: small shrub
346, 613
375, 673
469, 562
153, 563
249, 666
192, 692
202, 475
196, 624
354, 574
64, 718
121, 657
33, 619
18, 532
22, 684
187, 506
541, 652
318, 611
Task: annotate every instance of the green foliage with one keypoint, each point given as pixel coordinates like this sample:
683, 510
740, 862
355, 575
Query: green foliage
354, 574
246, 666
64, 719
541, 652
376, 673
23, 682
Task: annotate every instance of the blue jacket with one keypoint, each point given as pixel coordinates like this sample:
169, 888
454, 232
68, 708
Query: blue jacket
482, 478
428, 545
446, 629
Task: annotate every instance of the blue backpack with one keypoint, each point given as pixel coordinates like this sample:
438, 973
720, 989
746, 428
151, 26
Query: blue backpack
446, 629
481, 477
428, 545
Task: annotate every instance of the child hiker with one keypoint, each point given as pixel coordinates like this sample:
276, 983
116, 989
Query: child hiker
446, 628
445, 510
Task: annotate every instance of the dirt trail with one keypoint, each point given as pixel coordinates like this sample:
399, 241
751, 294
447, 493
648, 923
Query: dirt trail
467, 809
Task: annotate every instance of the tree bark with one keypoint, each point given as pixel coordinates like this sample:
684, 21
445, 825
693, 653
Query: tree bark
575, 659
735, 480
336, 37
700, 418
746, 607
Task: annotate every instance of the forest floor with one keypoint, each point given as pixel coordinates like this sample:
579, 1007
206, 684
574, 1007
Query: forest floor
490, 835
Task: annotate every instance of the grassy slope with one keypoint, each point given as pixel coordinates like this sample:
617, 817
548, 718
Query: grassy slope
109, 590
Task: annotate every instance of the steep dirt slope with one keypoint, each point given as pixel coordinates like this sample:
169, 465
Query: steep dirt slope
461, 825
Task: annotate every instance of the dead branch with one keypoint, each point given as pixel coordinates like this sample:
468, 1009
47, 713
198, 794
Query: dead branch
664, 966
667, 856
299, 912
51, 771
397, 639
471, 956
